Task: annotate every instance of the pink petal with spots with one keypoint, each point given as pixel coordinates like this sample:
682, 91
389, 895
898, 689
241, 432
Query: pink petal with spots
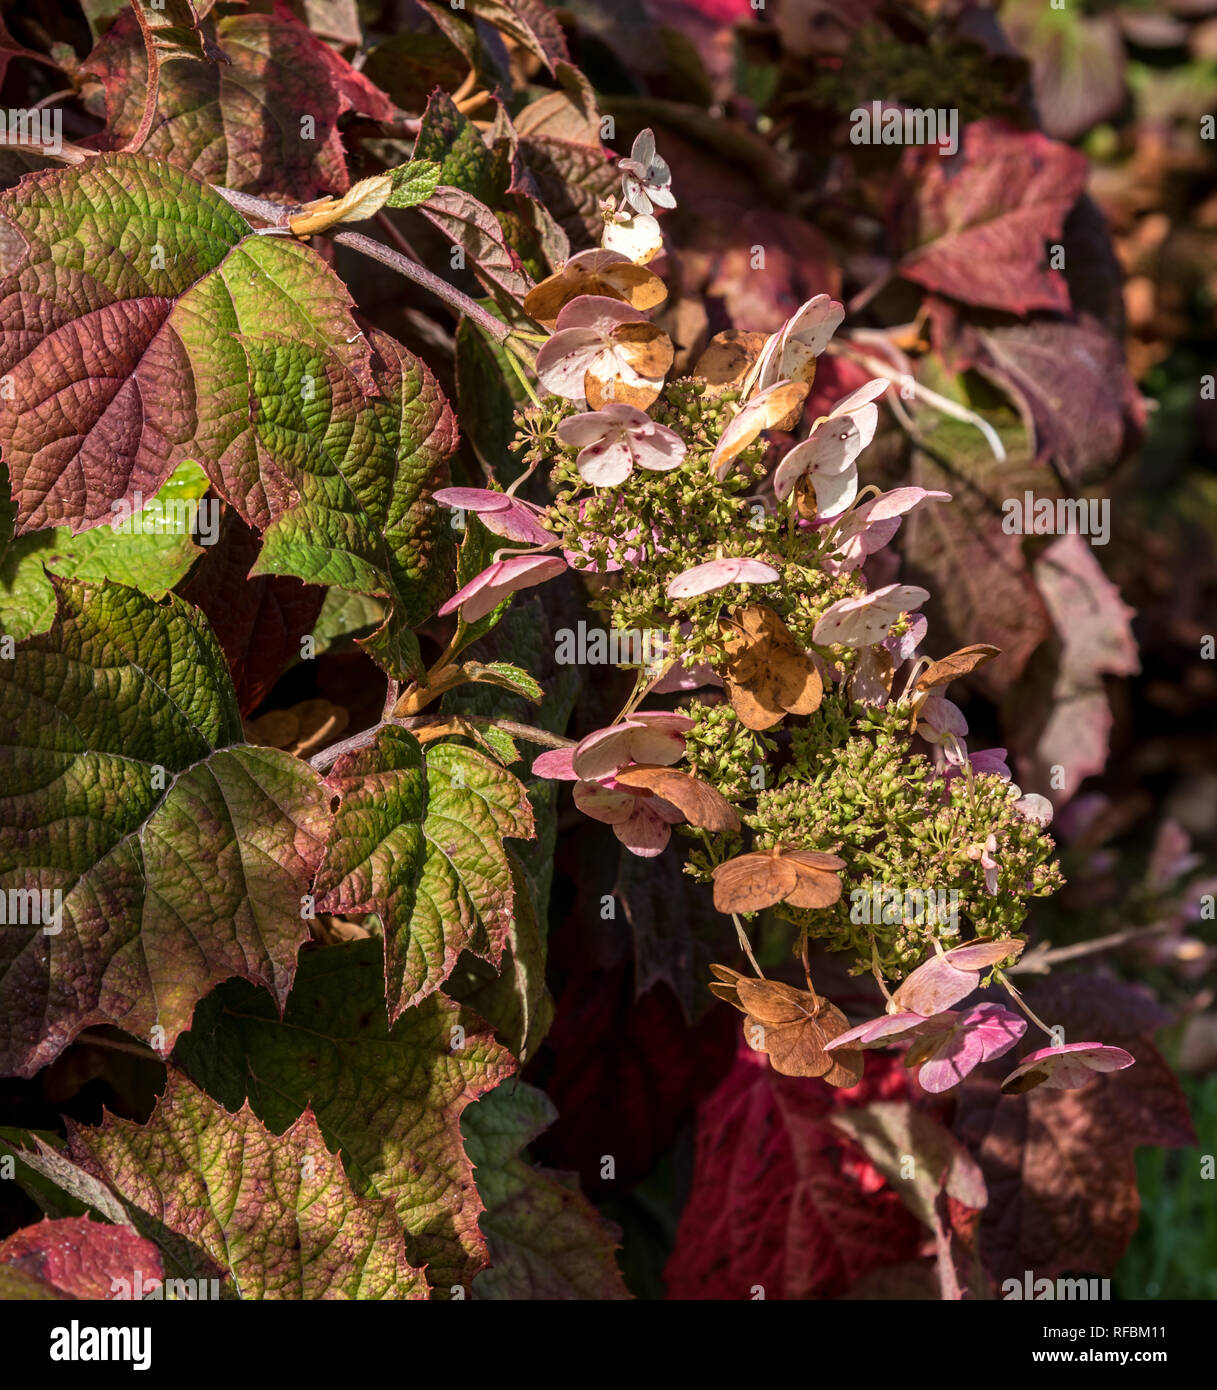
717, 574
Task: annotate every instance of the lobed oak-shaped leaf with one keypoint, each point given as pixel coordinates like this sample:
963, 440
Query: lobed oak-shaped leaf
1059, 1164
390, 1097
471, 226
530, 23
980, 219
177, 31
559, 142
418, 839
259, 622
123, 284
780, 1197
275, 1212
180, 854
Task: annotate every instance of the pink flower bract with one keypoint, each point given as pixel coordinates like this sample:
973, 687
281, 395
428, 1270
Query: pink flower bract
717, 574
866, 620
1065, 1067
947, 978
642, 822
946, 1055
503, 515
487, 590
618, 438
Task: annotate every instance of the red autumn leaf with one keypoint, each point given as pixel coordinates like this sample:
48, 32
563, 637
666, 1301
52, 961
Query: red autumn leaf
1064, 719
982, 586
239, 124
781, 1198
977, 221
1085, 419
626, 1075
81, 1258
1059, 1164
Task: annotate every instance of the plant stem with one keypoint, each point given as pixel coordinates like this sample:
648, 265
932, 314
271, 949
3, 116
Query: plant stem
323, 761
1041, 962
473, 311
274, 213
277, 215
1021, 1002
747, 945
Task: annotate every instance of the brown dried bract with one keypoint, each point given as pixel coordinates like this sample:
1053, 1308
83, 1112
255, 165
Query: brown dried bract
769, 675
301, 730
960, 663
791, 1026
800, 877
727, 360
698, 802
634, 285
772, 409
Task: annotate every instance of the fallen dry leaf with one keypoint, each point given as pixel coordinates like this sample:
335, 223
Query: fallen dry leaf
301, 730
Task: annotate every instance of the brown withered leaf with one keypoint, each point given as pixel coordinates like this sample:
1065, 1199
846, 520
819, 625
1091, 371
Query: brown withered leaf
727, 360
800, 877
599, 273
699, 803
960, 663
769, 674
649, 352
794, 1026
724, 985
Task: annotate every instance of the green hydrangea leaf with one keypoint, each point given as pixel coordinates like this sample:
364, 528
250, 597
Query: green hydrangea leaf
129, 281
166, 854
390, 1097
344, 616
418, 839
546, 1239
414, 183
513, 998
275, 1213
509, 677
363, 470
149, 549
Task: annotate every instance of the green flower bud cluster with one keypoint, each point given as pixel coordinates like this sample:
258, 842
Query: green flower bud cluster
899, 825
656, 525
926, 858
721, 751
